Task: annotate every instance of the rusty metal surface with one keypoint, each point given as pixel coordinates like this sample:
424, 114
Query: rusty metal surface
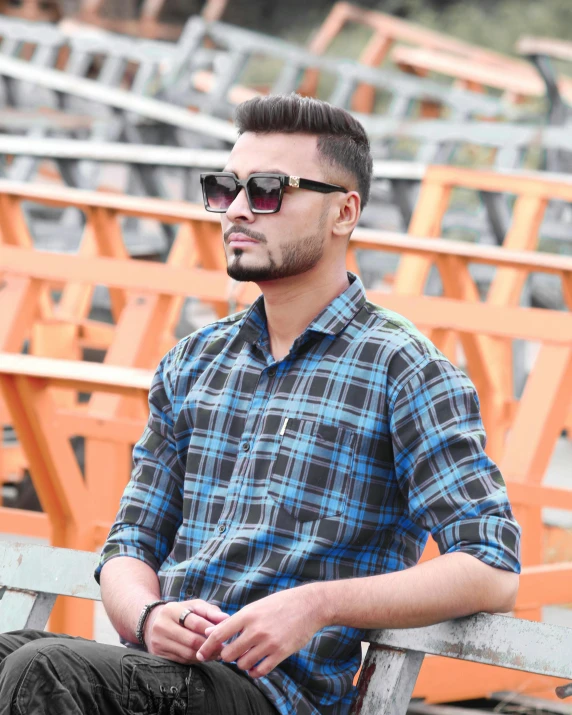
387, 680
491, 639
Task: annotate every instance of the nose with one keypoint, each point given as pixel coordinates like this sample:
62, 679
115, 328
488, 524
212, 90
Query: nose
239, 210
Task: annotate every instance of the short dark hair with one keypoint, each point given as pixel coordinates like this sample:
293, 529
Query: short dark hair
342, 140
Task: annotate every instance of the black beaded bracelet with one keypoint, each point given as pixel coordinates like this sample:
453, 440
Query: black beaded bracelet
143, 619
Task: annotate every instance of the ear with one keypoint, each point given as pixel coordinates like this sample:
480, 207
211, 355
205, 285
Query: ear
348, 214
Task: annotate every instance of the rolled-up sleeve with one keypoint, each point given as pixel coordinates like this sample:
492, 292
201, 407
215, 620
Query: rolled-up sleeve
150, 510
453, 489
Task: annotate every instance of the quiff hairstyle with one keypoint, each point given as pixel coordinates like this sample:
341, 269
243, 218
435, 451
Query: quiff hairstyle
342, 140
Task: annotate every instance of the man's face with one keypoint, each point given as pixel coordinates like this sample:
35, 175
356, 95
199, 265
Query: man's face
264, 247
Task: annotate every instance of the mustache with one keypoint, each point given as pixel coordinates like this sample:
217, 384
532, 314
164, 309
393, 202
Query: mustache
245, 231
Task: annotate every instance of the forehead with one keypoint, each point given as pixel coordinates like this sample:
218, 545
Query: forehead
293, 154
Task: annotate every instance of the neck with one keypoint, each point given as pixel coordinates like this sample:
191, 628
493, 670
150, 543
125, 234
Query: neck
292, 303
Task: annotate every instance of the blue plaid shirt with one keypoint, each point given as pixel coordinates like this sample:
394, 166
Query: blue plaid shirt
255, 475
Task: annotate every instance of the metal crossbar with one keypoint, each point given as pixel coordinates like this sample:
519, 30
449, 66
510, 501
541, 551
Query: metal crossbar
236, 48
472, 66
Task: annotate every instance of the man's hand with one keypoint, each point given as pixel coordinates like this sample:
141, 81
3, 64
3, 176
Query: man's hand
165, 636
268, 630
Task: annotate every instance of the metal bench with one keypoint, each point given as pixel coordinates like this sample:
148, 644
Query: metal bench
32, 576
227, 54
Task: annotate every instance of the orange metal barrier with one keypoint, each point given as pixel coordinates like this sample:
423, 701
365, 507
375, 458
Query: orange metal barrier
45, 427
387, 30
111, 422
46, 10
66, 497
473, 74
148, 24
66, 330
532, 196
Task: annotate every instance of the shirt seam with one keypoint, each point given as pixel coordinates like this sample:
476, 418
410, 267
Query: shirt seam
428, 360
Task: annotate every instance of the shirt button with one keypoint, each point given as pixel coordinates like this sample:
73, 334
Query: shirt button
221, 528
245, 447
272, 372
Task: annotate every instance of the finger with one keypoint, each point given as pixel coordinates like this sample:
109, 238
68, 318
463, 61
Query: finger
216, 639
168, 631
267, 664
196, 624
208, 611
217, 617
239, 646
248, 660
178, 654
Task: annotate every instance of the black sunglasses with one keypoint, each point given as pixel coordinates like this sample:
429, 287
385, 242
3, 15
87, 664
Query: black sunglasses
263, 191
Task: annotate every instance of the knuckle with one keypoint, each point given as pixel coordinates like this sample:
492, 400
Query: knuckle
195, 642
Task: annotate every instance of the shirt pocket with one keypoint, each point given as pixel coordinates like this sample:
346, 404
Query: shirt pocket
309, 477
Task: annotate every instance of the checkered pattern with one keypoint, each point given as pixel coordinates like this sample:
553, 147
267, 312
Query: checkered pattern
254, 476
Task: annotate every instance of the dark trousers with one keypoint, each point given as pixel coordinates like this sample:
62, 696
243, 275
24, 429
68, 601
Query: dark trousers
46, 674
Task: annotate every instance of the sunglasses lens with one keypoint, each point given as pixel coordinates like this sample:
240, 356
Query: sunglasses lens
220, 191
264, 193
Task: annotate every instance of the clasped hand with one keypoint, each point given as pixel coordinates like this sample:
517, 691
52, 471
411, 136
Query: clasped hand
165, 637
265, 632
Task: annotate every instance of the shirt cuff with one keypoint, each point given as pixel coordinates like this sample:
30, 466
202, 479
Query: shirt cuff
494, 540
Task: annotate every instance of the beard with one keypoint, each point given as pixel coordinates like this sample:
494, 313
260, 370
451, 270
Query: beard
297, 257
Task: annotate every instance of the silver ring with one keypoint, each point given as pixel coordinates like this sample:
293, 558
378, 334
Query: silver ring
184, 614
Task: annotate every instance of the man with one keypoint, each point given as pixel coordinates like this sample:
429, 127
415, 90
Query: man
296, 457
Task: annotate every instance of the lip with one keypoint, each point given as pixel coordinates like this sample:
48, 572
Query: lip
239, 239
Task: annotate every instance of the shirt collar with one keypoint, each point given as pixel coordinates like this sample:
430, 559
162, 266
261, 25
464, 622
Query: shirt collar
331, 321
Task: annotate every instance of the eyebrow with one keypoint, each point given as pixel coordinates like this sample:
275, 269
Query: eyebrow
263, 171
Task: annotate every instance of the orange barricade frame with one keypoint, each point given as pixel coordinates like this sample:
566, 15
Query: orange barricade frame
388, 30
111, 422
